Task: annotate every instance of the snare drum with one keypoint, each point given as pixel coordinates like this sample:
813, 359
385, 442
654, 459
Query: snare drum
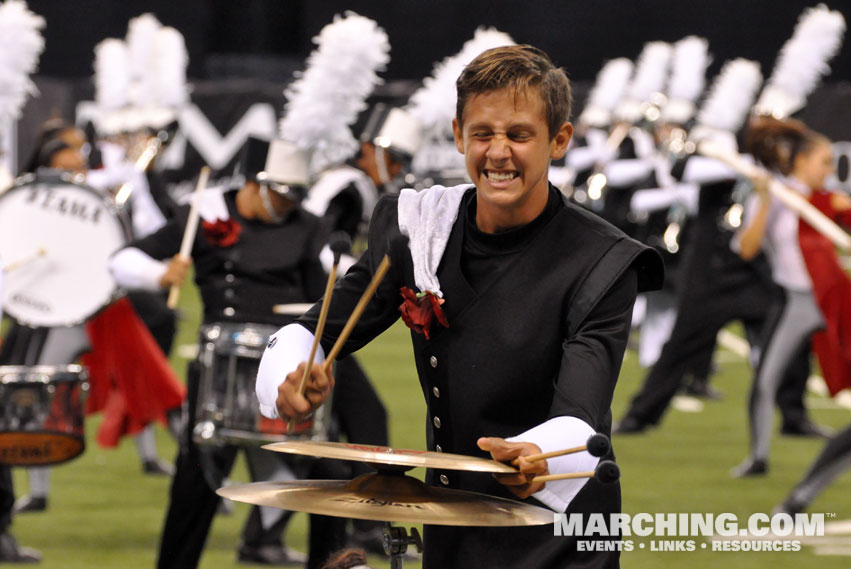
227, 411
56, 237
42, 414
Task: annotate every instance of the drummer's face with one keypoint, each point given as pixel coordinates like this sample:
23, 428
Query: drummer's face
250, 204
68, 159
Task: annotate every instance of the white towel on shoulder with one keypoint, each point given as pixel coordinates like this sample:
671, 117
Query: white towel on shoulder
426, 218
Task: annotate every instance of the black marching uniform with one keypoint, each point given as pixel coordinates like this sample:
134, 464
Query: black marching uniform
269, 264
538, 323
715, 288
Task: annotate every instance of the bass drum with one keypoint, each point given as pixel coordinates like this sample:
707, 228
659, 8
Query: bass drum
56, 237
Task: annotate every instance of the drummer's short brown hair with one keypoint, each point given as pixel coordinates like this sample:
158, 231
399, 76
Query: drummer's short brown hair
521, 67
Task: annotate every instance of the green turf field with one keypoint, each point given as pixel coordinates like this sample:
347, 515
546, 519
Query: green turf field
105, 514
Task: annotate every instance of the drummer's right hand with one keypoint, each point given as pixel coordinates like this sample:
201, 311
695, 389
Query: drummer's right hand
176, 271
293, 405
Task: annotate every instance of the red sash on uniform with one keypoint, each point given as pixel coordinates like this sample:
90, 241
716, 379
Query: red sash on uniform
131, 380
832, 290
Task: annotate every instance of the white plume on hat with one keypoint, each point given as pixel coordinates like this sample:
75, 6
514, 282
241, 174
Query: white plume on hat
802, 62
651, 70
21, 43
687, 80
112, 84
731, 95
167, 73
729, 101
141, 37
141, 81
168, 68
327, 96
607, 92
433, 104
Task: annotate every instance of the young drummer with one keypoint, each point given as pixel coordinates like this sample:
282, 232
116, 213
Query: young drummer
532, 300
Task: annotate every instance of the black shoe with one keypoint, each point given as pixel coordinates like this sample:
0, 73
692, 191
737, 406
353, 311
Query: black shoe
629, 426
806, 428
158, 467
11, 552
30, 504
281, 556
749, 468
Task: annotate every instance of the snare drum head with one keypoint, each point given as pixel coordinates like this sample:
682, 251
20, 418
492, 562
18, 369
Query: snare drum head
55, 241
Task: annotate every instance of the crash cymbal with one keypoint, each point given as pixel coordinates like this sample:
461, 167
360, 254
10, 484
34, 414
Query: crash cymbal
389, 497
379, 455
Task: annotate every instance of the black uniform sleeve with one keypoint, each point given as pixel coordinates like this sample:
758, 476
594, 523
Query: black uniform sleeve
592, 356
163, 243
313, 275
382, 310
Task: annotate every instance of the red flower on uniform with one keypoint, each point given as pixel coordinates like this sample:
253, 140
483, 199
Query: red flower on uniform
420, 309
222, 232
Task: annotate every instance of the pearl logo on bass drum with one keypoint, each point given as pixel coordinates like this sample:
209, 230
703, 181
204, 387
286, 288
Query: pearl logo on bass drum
45, 198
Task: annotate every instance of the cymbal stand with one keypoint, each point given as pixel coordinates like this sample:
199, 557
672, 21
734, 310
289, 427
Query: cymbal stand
396, 542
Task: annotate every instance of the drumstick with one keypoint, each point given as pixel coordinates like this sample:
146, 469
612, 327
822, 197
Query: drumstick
356, 313
191, 228
597, 445
606, 472
40, 252
340, 243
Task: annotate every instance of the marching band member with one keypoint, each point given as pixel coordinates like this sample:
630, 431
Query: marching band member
62, 149
803, 263
790, 150
717, 286
258, 249
509, 363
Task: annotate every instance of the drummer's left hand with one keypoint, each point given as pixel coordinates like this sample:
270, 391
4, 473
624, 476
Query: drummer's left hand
520, 484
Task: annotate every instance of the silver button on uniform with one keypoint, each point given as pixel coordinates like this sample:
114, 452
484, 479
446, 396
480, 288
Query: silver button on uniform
436, 422
444, 480
437, 448
436, 391
229, 311
433, 361
229, 278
